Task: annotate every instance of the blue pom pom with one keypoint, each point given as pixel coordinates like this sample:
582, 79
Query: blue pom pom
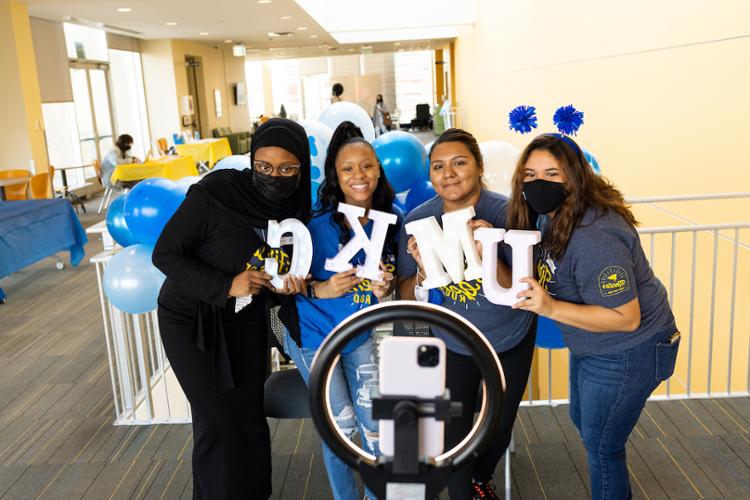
568, 119
523, 119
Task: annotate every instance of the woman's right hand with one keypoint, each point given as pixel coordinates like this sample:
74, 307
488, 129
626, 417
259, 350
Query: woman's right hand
413, 250
249, 283
338, 284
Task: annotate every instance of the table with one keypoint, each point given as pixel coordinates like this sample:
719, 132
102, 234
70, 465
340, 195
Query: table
207, 151
12, 181
31, 230
168, 167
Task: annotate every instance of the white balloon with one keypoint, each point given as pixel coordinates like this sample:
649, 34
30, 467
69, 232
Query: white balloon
499, 164
237, 162
186, 182
348, 111
319, 134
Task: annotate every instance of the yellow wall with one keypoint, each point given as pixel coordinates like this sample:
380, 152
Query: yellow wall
21, 127
664, 99
664, 88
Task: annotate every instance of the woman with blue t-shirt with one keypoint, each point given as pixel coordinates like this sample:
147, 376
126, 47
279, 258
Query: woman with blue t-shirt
594, 281
354, 176
456, 169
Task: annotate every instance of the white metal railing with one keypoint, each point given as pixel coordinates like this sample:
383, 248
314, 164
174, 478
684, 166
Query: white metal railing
714, 248
144, 388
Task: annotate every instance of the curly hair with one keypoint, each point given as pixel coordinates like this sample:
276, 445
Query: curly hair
585, 190
330, 193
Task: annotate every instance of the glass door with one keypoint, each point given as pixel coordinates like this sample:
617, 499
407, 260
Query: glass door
93, 110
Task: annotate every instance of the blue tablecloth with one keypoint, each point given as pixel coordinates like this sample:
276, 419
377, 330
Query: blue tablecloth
34, 229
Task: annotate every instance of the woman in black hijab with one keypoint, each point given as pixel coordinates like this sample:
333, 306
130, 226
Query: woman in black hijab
212, 251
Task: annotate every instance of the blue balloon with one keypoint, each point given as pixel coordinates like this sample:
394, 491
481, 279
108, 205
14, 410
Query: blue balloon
592, 161
418, 195
403, 159
131, 282
548, 335
236, 162
149, 206
314, 192
116, 224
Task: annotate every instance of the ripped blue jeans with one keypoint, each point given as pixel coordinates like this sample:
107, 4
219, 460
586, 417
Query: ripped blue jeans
352, 380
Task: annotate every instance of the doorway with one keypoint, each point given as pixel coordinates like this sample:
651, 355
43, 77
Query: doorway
194, 68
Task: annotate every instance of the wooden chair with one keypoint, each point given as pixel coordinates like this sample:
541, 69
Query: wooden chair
40, 186
19, 192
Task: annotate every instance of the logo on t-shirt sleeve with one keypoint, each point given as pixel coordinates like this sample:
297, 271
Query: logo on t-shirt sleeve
613, 280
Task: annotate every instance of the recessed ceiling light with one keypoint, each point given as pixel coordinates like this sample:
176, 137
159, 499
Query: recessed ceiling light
272, 34
228, 41
302, 28
397, 43
264, 1
313, 36
284, 18
204, 33
171, 23
124, 9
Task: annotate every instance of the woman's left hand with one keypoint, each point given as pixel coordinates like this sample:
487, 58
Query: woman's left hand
384, 287
292, 285
535, 299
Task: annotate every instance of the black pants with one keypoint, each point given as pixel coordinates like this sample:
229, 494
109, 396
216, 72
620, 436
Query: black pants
231, 439
463, 380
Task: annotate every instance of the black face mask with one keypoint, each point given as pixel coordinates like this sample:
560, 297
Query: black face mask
275, 188
544, 196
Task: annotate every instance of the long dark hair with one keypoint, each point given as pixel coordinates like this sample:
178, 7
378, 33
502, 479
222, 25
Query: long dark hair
468, 140
124, 143
585, 190
330, 193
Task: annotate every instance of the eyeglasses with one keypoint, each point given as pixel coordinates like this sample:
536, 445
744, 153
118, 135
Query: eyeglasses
283, 170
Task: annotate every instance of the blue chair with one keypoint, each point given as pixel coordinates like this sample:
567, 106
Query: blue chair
178, 139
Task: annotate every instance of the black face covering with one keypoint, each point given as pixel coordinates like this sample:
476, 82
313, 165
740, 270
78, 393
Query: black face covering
275, 188
544, 196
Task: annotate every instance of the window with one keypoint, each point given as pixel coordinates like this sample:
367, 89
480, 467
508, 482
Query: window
129, 99
414, 74
255, 96
85, 43
286, 87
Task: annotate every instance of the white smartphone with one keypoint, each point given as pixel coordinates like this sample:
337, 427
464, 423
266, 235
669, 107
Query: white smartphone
413, 366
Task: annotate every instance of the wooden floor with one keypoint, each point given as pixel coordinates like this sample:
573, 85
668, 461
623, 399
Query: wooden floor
57, 439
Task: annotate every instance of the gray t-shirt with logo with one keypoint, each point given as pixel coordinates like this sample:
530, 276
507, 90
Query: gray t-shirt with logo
604, 265
503, 326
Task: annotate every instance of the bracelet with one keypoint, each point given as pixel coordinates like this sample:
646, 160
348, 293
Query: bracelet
311, 290
420, 275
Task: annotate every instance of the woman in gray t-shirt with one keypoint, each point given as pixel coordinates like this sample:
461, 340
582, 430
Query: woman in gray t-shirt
594, 281
456, 169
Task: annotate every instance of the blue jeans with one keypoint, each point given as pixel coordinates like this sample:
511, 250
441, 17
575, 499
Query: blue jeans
353, 377
607, 394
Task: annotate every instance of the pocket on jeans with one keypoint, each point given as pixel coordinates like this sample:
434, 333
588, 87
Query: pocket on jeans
666, 356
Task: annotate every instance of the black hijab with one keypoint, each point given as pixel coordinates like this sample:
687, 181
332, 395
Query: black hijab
235, 192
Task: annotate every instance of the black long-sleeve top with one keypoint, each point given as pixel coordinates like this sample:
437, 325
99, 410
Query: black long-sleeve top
201, 250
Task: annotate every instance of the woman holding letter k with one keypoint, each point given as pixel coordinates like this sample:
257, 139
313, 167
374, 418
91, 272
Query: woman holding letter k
594, 281
355, 203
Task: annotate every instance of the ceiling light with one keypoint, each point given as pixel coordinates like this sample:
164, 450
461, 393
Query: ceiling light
284, 18
264, 1
124, 9
228, 41
302, 28
397, 43
238, 50
313, 36
171, 23
204, 33
273, 34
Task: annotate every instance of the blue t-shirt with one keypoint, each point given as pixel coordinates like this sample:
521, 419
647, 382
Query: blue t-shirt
503, 326
604, 265
318, 317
